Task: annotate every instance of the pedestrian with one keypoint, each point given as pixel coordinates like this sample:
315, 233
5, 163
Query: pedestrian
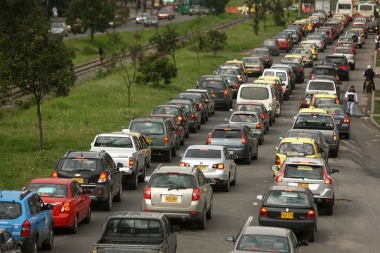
55, 12
352, 98
377, 40
101, 54
244, 11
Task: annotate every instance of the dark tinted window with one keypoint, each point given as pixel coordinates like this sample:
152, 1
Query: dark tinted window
228, 71
226, 133
334, 110
321, 86
266, 243
186, 106
260, 52
282, 198
166, 110
195, 97
303, 171
366, 7
254, 93
129, 228
214, 84
203, 153
164, 180
10, 210
78, 164
334, 60
327, 72
314, 121
344, 6
247, 107
342, 51
149, 128
249, 118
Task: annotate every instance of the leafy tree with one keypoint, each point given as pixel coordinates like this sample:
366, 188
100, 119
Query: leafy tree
154, 68
278, 13
250, 4
168, 42
93, 15
218, 6
35, 62
135, 53
256, 20
215, 40
121, 13
11, 13
196, 40
263, 13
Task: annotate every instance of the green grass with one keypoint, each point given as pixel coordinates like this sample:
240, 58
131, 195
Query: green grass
376, 108
100, 105
377, 60
377, 93
377, 120
235, 3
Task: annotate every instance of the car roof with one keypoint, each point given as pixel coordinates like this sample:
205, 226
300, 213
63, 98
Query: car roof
14, 195
298, 139
260, 230
230, 126
86, 154
206, 147
50, 180
245, 112
115, 134
180, 169
305, 160
139, 215
285, 187
198, 90
181, 100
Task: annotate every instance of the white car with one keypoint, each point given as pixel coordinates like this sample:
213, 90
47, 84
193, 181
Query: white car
141, 17
346, 51
321, 86
58, 28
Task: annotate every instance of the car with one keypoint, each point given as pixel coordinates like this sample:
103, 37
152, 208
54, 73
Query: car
253, 65
253, 120
325, 70
318, 39
306, 99
331, 31
58, 28
297, 70
341, 118
178, 110
294, 58
373, 27
284, 44
285, 35
303, 26
345, 39
327, 34
284, 74
255, 107
179, 130
233, 81
210, 103
216, 162
144, 145
158, 131
232, 70
291, 75
289, 207
151, 21
141, 17
340, 63
312, 45
30, 221
165, 13
322, 86
237, 63
193, 115
336, 27
297, 29
349, 53
71, 201
198, 10
200, 102
360, 25
279, 87
265, 239
96, 169
192, 201
8, 243
293, 35
357, 39
312, 173
272, 45
308, 55
348, 44
321, 98
238, 138
264, 55
220, 91
323, 146
361, 31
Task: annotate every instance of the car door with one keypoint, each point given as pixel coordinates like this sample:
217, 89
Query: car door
39, 217
229, 162
205, 188
114, 174
185, 118
249, 136
230, 92
139, 153
78, 200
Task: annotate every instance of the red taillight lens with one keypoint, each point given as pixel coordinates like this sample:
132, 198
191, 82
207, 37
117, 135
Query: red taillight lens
196, 194
65, 207
199, 107
262, 116
277, 161
102, 177
343, 67
180, 119
300, 70
240, 79
287, 87
320, 43
54, 174
25, 229
311, 215
131, 161
346, 119
267, 57
326, 178
193, 116
147, 192
337, 101
218, 166
280, 175
225, 94
166, 140
263, 212
258, 126
236, 86
183, 164
337, 77
208, 142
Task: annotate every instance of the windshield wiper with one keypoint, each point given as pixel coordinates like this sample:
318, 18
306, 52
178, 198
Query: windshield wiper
85, 170
176, 188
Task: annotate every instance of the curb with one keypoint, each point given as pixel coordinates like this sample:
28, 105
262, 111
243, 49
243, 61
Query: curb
373, 98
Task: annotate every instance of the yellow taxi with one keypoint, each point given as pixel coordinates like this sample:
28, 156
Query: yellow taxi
142, 143
313, 110
318, 99
361, 31
303, 24
277, 83
294, 58
309, 24
237, 63
312, 45
295, 147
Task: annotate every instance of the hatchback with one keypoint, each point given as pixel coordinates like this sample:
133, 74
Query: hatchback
264, 55
340, 63
220, 90
349, 53
342, 120
308, 55
252, 119
232, 70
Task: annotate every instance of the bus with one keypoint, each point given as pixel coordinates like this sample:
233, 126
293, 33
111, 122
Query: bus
345, 7
170, 4
184, 5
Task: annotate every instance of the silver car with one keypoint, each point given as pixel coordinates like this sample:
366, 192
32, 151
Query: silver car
216, 162
308, 59
141, 17
312, 173
58, 28
318, 39
251, 119
181, 193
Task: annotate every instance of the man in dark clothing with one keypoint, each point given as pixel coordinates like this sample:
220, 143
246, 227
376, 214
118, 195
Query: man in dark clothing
369, 74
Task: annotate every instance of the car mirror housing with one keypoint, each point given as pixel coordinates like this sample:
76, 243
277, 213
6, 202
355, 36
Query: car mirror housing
146, 179
120, 165
230, 239
275, 168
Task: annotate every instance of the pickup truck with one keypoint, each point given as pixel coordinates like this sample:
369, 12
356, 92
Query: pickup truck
137, 232
324, 123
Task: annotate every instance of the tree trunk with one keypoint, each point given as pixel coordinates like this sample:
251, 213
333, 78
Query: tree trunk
129, 96
92, 33
39, 122
173, 56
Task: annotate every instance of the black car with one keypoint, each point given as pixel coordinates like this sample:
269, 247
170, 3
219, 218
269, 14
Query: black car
323, 70
372, 27
209, 102
297, 70
193, 115
289, 207
174, 110
327, 34
233, 81
340, 63
93, 168
272, 45
220, 90
200, 101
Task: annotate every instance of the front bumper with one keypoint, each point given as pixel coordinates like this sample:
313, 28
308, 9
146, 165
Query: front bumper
295, 225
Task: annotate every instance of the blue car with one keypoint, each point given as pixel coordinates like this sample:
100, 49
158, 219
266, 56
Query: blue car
341, 119
27, 218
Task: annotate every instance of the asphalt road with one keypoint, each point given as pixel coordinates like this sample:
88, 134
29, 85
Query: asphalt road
354, 226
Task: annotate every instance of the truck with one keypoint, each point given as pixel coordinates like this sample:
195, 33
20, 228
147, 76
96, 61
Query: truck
145, 232
323, 5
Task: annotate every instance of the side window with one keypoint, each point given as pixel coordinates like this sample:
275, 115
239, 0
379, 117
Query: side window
136, 142
109, 162
293, 240
32, 205
39, 203
11, 243
201, 178
143, 141
75, 189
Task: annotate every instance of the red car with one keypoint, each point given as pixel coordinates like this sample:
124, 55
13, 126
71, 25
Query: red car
179, 130
165, 13
256, 107
284, 45
72, 202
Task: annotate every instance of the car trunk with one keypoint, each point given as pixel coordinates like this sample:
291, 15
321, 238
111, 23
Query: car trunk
57, 204
176, 197
287, 212
81, 176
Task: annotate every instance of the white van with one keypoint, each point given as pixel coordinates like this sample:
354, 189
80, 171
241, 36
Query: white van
345, 7
259, 92
283, 75
366, 9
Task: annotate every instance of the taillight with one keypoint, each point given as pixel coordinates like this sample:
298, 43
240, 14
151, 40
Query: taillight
337, 101
102, 177
337, 77
343, 67
196, 194
280, 175
262, 115
218, 166
199, 107
311, 57
131, 161
236, 86
208, 142
258, 126
267, 57
300, 70
240, 79
65, 207
263, 212
54, 175
225, 93
193, 116
320, 43
25, 229
147, 193
166, 140
277, 161
287, 87
311, 215
183, 164
346, 119
180, 119
334, 136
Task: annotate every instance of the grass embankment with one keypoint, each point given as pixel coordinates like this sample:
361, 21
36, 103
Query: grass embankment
100, 105
376, 108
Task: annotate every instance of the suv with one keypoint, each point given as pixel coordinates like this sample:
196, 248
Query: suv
178, 110
219, 89
28, 219
193, 115
160, 132
96, 169
312, 173
192, 200
340, 63
326, 70
124, 148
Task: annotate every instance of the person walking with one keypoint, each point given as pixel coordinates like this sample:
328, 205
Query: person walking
244, 11
352, 98
377, 40
101, 54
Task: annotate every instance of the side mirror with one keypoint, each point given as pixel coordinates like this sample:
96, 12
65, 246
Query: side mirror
230, 239
91, 144
335, 171
303, 243
211, 181
19, 244
280, 137
119, 165
231, 110
176, 228
150, 143
146, 179
235, 157
275, 168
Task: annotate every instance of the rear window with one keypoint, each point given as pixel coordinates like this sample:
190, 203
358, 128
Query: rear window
319, 101
342, 51
303, 171
365, 7
334, 110
254, 108
304, 135
281, 75
195, 97
251, 61
269, 43
266, 243
234, 64
296, 149
254, 93
302, 51
314, 121
228, 71
78, 164
10, 210
334, 60
131, 228
165, 110
321, 86
113, 141
148, 128
212, 84
165, 180
49, 190
227, 133
282, 198
203, 153
186, 106
327, 72
260, 52
249, 118
231, 79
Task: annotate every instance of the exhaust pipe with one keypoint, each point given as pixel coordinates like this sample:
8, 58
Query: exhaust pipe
183, 219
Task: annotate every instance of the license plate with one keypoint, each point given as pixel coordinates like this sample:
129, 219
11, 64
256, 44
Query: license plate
213, 95
285, 215
79, 180
148, 139
303, 185
202, 167
171, 199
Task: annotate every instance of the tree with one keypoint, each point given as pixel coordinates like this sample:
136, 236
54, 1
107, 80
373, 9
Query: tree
93, 15
121, 13
35, 62
263, 13
155, 67
256, 20
278, 13
135, 53
167, 43
215, 40
250, 4
217, 6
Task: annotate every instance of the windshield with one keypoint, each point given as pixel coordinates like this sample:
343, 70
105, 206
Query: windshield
204, 153
269, 43
296, 149
303, 171
49, 190
247, 107
78, 164
57, 25
254, 93
319, 101
334, 60
282, 198
165, 180
302, 51
147, 128
316, 121
165, 110
263, 243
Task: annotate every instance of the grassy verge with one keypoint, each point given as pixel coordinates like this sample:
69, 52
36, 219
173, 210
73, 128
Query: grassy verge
100, 105
377, 60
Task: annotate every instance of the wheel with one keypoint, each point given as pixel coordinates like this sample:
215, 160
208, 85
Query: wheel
267, 128
261, 141
353, 67
247, 160
107, 205
199, 126
226, 187
347, 136
287, 97
270, 122
174, 151
87, 219
311, 236
133, 184
194, 130
257, 155
203, 120
209, 211
182, 142
168, 156
201, 224
74, 228
49, 242
119, 195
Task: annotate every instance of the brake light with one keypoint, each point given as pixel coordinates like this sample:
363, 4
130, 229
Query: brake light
334, 136
183, 164
320, 43
337, 101
65, 207
180, 119
102, 177
218, 166
131, 161
287, 87
25, 229
311, 57
343, 67
346, 119
236, 86
240, 79
326, 178
147, 193
54, 174
208, 142
337, 77
166, 140
277, 160
262, 116
258, 126
193, 116
225, 94
196, 194
300, 70
311, 215
263, 212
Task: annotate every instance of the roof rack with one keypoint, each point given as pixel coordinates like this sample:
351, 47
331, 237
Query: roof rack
24, 193
100, 153
68, 152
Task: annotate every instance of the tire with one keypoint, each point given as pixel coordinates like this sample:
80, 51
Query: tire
168, 156
209, 211
287, 97
194, 130
226, 187
87, 219
247, 160
74, 228
49, 242
360, 46
119, 195
334, 153
329, 210
203, 120
311, 236
133, 185
107, 205
33, 247
235, 178
174, 151
274, 119
261, 142
182, 142
201, 224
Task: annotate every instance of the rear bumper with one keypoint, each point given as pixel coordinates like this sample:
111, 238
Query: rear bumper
63, 220
220, 102
192, 212
159, 150
100, 193
295, 225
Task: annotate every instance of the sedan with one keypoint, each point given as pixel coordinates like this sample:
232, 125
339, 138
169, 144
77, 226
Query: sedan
264, 55
165, 13
141, 17
253, 65
308, 55
72, 202
318, 39
289, 207
216, 162
151, 21
272, 45
58, 29
8, 243
253, 121
255, 107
